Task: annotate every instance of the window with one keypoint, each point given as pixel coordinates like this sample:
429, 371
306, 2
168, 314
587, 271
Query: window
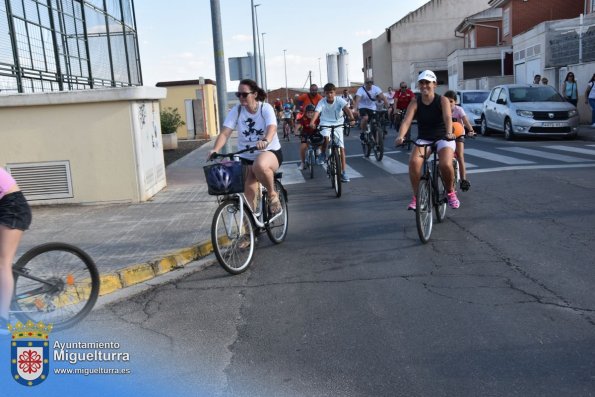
506, 22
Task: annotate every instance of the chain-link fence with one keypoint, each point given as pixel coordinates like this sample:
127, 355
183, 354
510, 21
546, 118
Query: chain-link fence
62, 45
568, 46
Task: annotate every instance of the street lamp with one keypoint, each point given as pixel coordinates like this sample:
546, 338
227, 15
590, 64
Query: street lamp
285, 65
259, 60
254, 38
264, 63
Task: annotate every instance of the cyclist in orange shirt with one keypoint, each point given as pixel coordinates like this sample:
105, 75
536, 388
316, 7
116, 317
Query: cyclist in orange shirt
311, 98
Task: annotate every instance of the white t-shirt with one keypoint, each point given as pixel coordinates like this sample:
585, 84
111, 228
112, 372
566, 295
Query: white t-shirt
331, 113
364, 99
591, 91
389, 97
252, 127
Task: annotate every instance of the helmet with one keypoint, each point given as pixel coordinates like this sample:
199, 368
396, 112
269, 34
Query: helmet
219, 178
457, 129
310, 108
286, 106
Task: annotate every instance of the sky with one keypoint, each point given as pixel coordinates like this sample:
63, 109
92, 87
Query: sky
176, 39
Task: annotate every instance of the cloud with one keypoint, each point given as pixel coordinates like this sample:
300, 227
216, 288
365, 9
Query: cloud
363, 33
241, 37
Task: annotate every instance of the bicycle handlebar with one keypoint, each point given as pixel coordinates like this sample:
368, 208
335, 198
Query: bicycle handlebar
216, 155
331, 126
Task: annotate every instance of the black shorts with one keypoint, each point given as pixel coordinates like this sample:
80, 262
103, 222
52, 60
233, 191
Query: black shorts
15, 212
366, 112
277, 153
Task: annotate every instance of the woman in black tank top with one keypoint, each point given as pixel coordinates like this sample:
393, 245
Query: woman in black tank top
434, 119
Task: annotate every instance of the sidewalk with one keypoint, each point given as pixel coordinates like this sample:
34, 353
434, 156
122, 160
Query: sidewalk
586, 132
132, 243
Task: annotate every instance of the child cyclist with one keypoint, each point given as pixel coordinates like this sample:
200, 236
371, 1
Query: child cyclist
307, 132
458, 114
330, 109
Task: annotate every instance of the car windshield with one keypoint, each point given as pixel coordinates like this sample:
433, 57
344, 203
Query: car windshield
475, 97
534, 94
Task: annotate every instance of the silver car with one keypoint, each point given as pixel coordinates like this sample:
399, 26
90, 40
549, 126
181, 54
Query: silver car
528, 109
472, 103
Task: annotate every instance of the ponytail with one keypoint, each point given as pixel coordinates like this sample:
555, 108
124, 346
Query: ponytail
260, 94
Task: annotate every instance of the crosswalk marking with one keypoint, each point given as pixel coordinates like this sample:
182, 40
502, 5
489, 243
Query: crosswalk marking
390, 165
291, 174
496, 157
545, 155
572, 149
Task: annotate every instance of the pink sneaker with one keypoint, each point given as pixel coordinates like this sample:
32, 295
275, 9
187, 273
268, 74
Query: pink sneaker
453, 200
413, 204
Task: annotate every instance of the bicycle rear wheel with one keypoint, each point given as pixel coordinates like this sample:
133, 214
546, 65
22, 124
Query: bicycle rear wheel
366, 145
338, 171
56, 283
232, 236
286, 131
276, 226
346, 129
311, 162
440, 200
423, 210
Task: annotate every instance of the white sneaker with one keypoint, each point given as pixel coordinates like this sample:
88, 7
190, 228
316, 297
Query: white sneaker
301, 166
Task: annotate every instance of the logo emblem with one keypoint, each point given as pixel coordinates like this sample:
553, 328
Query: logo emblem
550, 115
29, 353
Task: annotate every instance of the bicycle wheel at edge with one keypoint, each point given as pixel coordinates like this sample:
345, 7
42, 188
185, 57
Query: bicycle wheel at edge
73, 291
311, 162
423, 210
277, 227
338, 170
232, 237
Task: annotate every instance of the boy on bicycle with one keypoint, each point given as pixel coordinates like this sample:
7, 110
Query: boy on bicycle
330, 109
307, 132
459, 115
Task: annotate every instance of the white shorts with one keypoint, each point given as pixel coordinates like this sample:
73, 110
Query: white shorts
441, 144
326, 132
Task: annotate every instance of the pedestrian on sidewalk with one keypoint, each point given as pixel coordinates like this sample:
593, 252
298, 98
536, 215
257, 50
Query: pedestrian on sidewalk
590, 98
569, 89
15, 218
256, 124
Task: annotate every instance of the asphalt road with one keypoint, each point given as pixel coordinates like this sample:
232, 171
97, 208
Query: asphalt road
499, 303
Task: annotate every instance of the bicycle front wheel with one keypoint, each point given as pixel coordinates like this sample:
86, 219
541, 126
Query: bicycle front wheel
311, 162
276, 226
423, 210
56, 283
379, 150
232, 236
336, 156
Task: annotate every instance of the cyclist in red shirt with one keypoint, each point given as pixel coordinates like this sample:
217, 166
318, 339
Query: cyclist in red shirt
402, 98
307, 131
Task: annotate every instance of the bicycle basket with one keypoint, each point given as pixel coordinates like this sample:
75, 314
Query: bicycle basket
316, 139
225, 178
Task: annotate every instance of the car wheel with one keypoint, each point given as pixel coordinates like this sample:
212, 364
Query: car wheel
484, 130
508, 134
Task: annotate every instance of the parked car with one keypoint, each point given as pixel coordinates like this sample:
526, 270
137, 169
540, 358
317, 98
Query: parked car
528, 109
472, 103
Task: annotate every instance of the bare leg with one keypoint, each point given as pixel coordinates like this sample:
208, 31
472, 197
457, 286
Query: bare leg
461, 159
9, 242
446, 170
415, 163
264, 169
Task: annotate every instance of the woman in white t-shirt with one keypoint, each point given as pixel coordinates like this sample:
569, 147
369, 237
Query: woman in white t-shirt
590, 98
256, 124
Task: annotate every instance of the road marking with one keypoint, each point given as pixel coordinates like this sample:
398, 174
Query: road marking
530, 167
545, 155
496, 157
572, 149
389, 165
351, 173
291, 174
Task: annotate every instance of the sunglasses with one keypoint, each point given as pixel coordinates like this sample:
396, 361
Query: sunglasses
403, 86
243, 94
424, 82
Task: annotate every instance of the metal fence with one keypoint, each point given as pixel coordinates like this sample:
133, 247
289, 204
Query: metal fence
568, 46
62, 45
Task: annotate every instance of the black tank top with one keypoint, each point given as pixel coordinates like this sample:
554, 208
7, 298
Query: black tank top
430, 123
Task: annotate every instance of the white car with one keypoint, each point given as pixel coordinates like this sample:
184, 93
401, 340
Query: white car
528, 109
472, 103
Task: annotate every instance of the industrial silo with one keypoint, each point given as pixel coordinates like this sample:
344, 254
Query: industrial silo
343, 67
331, 69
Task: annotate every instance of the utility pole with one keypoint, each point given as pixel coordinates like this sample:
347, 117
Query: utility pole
219, 67
264, 64
256, 54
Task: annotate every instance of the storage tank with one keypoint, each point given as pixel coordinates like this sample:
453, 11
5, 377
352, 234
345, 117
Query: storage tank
331, 69
343, 67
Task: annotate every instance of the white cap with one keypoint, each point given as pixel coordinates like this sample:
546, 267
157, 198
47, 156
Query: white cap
427, 75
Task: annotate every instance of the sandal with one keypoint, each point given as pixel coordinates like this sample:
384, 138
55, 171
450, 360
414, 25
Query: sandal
275, 205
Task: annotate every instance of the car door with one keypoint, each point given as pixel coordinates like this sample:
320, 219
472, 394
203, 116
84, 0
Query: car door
501, 109
489, 108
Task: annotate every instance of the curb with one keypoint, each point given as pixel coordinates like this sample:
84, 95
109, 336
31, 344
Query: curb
141, 272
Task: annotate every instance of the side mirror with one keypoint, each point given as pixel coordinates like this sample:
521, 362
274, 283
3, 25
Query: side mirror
501, 101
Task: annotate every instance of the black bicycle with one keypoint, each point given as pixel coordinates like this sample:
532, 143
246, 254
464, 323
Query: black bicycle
235, 224
431, 192
399, 116
314, 142
334, 161
56, 283
374, 137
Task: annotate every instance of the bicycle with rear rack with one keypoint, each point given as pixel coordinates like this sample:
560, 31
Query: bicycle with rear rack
334, 163
431, 192
235, 224
374, 137
314, 142
56, 283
